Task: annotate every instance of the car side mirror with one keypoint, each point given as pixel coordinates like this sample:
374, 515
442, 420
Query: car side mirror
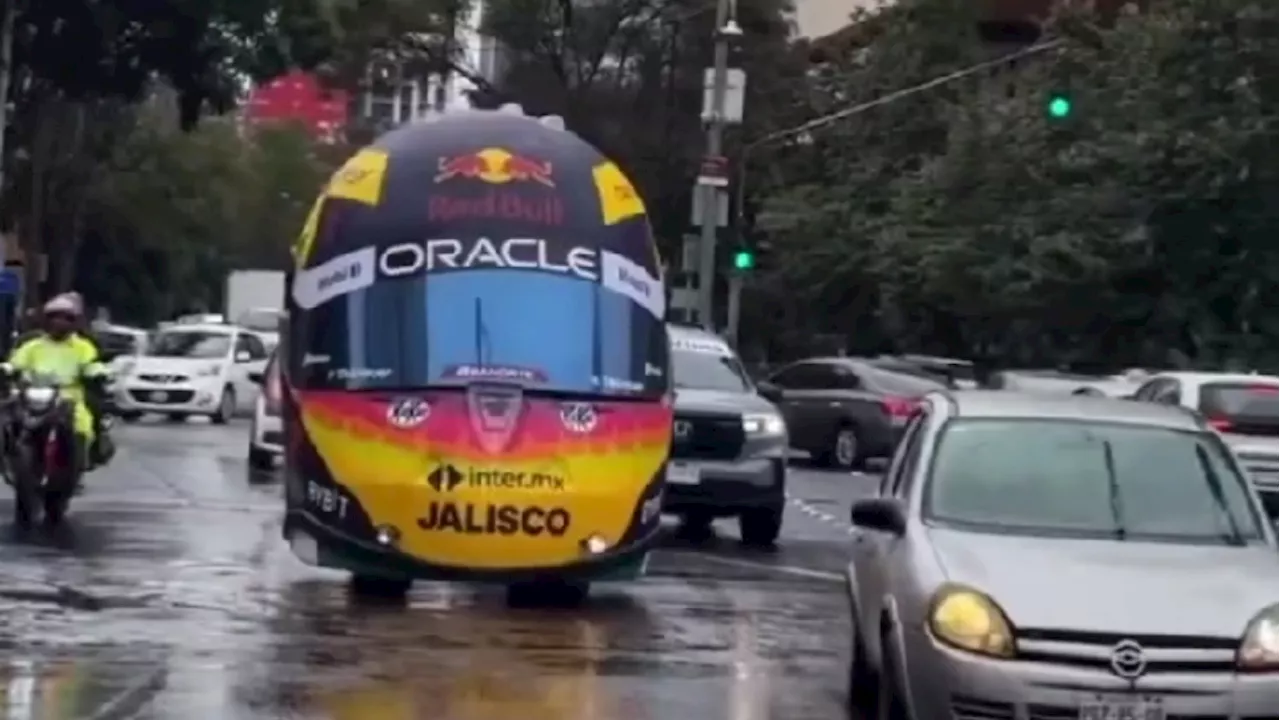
769, 391
257, 377
882, 514
243, 357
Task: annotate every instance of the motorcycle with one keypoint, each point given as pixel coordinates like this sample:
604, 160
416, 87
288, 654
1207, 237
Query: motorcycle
43, 460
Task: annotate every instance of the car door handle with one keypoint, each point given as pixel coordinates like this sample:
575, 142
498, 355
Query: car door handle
834, 403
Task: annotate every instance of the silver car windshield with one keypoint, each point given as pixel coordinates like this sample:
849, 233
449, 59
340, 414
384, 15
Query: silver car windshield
1061, 477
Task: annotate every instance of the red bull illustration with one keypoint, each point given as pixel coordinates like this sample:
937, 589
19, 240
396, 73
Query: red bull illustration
478, 379
496, 166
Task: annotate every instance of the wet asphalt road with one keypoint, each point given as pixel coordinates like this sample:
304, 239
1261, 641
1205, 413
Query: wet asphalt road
171, 595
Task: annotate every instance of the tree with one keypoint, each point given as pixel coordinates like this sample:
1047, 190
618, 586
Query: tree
1139, 227
627, 76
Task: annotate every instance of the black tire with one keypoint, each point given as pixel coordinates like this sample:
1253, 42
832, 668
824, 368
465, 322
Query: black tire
177, 417
889, 703
260, 459
129, 417
24, 508
863, 681
844, 449
373, 587
55, 507
548, 593
226, 407
760, 527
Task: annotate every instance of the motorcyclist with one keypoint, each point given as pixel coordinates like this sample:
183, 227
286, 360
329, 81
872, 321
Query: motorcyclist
60, 352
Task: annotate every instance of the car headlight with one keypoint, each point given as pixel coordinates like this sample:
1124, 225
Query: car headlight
1260, 646
968, 620
763, 424
211, 371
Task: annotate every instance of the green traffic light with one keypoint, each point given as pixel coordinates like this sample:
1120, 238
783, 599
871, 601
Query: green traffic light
1059, 107
744, 260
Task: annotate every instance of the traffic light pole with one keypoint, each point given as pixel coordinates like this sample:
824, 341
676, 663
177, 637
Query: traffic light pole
710, 195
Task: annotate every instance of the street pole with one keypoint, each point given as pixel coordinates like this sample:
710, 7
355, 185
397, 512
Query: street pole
744, 155
734, 309
715, 142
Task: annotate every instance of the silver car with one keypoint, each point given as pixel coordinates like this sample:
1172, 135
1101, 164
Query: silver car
729, 444
1058, 557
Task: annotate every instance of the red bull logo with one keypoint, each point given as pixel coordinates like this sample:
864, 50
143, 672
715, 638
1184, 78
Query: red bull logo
497, 167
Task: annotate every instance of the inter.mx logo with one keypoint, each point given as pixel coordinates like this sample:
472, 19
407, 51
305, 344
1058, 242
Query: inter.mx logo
445, 478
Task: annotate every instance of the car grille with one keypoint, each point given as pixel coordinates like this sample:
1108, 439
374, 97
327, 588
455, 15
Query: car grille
710, 436
163, 379
1262, 468
1164, 653
172, 397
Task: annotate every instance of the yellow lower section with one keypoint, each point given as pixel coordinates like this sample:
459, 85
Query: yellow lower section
489, 514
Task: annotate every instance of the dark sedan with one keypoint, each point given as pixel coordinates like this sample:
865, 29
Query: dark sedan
845, 411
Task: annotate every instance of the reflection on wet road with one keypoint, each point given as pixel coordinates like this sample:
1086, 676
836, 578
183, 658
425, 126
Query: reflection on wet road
171, 595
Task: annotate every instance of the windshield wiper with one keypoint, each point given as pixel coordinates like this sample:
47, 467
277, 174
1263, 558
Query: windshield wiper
1233, 536
1113, 490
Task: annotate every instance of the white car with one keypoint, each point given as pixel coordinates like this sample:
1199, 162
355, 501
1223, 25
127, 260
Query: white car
120, 346
194, 370
1242, 408
266, 436
265, 322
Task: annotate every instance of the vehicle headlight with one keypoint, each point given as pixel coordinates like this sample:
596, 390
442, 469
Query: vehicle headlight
1260, 645
211, 371
763, 424
968, 620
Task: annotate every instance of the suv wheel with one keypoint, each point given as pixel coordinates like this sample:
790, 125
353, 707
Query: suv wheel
760, 527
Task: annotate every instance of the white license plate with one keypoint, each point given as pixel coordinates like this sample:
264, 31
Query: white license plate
1122, 708
159, 396
681, 474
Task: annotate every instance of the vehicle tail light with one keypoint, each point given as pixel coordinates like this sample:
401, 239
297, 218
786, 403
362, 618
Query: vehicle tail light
899, 407
271, 394
1265, 389
1219, 423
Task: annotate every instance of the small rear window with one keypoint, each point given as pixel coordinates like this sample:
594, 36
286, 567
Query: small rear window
1242, 408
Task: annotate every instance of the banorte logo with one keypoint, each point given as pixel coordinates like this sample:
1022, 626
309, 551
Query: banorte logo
496, 166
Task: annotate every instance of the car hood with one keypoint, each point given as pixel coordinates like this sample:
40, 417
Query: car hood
1113, 587
187, 366
720, 401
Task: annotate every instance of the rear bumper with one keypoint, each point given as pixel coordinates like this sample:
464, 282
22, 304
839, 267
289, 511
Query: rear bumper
729, 488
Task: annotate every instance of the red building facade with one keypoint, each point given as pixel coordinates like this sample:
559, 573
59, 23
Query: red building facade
299, 97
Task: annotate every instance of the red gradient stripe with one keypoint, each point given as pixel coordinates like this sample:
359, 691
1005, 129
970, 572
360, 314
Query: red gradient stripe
623, 427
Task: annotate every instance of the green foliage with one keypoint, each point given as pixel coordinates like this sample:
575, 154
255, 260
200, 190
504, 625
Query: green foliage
628, 75
1138, 229
179, 210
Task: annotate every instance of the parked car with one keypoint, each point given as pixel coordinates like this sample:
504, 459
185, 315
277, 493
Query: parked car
119, 346
845, 411
1061, 557
265, 322
729, 444
1059, 382
266, 436
1243, 408
194, 370
959, 374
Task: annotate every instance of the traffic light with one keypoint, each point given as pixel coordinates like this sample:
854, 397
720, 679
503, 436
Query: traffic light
1058, 106
744, 260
